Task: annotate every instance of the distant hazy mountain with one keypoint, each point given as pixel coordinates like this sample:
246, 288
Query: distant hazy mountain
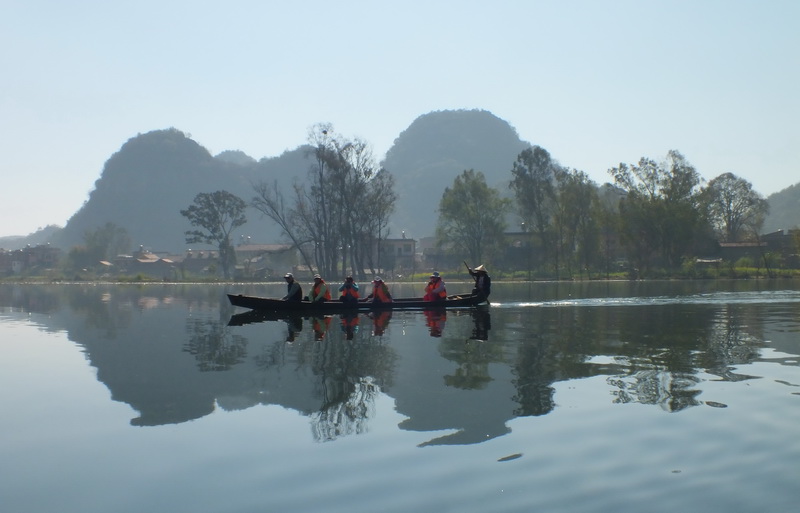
40, 236
784, 210
437, 147
153, 176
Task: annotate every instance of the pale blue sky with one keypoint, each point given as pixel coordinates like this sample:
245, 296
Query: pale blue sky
594, 82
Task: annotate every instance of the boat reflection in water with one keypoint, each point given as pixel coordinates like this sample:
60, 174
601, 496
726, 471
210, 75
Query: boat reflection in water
435, 319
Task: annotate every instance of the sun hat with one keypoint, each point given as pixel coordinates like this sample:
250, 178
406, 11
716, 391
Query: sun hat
377, 279
288, 275
480, 268
435, 274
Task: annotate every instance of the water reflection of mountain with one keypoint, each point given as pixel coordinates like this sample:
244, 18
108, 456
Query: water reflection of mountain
175, 353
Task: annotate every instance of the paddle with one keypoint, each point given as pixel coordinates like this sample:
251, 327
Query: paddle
468, 267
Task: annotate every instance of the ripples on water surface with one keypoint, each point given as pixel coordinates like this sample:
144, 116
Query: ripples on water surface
558, 397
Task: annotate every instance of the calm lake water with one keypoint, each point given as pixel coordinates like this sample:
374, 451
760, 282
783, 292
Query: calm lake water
600, 397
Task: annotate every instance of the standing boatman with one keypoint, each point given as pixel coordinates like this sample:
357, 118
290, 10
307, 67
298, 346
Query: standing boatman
483, 283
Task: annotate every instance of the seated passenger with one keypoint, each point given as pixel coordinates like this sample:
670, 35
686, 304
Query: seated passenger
348, 291
380, 292
435, 289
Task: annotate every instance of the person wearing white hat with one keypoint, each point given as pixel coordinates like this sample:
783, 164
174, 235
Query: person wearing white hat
380, 292
435, 290
319, 291
293, 290
483, 283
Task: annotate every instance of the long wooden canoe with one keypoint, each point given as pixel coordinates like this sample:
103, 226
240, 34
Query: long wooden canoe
272, 304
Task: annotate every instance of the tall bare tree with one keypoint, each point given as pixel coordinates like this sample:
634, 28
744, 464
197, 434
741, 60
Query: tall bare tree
341, 211
269, 200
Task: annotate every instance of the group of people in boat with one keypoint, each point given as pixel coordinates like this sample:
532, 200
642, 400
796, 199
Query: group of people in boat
435, 289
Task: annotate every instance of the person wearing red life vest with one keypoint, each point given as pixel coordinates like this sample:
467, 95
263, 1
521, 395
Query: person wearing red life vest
435, 289
380, 292
348, 291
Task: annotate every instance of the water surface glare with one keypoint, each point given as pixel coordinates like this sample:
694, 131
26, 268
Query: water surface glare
624, 397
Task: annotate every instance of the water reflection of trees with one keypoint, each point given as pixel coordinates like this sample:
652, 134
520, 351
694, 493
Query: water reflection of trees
649, 354
349, 367
668, 347
349, 416
499, 362
214, 347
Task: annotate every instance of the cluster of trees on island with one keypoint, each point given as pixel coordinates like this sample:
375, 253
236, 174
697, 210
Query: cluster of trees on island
656, 215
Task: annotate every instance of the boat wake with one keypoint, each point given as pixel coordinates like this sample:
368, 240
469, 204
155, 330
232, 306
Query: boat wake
714, 298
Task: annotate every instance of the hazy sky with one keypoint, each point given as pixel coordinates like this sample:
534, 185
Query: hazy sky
594, 82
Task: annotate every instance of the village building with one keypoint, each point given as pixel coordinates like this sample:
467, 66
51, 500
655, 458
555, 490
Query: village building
41, 257
264, 261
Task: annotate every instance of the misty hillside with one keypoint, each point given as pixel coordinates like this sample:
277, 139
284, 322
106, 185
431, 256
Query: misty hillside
434, 150
784, 210
40, 236
153, 176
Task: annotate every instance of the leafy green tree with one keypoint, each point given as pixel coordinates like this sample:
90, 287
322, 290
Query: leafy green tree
609, 219
734, 209
471, 217
218, 214
533, 175
574, 219
660, 213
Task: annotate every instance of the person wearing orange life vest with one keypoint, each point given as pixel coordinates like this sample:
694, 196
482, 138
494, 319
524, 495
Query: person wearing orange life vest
380, 292
319, 291
348, 291
435, 289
